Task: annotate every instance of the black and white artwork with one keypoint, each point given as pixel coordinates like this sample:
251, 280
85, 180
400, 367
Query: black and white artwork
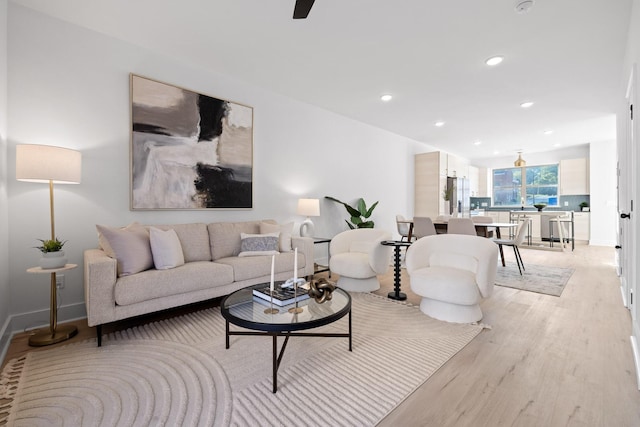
188, 150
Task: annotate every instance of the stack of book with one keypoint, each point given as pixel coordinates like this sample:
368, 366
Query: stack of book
281, 296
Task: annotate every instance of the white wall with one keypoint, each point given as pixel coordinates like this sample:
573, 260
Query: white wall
70, 87
4, 223
603, 194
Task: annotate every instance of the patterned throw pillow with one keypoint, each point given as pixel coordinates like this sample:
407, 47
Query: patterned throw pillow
259, 244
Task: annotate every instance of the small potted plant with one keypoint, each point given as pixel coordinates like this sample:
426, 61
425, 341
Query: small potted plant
52, 253
584, 206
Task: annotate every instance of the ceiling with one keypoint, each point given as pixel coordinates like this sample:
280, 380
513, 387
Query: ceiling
564, 55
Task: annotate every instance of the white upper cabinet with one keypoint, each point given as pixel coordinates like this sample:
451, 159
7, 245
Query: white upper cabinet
574, 176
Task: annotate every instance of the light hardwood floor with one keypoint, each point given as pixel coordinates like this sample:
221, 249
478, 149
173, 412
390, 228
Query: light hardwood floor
547, 361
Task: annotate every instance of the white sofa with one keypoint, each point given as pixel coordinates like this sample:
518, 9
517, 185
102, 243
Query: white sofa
212, 268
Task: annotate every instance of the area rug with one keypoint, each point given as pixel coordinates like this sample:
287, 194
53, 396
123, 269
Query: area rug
535, 278
177, 372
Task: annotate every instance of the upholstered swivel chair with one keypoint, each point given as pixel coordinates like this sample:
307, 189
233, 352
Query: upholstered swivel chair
452, 273
521, 233
423, 226
358, 257
461, 226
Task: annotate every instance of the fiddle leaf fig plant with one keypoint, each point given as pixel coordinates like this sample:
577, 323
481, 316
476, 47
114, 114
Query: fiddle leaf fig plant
51, 245
359, 214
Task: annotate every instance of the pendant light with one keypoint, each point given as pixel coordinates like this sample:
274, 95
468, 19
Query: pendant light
520, 163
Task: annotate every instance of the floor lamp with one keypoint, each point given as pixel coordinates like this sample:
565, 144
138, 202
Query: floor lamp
49, 164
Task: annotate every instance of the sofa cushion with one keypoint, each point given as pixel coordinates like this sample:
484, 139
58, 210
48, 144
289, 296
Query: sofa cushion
260, 266
194, 239
166, 248
129, 245
285, 231
224, 237
259, 244
192, 276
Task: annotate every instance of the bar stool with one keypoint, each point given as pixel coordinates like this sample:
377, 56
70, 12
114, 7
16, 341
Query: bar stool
560, 222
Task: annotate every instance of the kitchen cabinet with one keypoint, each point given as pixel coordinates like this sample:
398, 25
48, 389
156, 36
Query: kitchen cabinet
430, 180
574, 176
582, 224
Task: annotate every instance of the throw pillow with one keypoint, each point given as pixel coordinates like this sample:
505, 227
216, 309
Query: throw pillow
130, 246
166, 248
285, 231
259, 244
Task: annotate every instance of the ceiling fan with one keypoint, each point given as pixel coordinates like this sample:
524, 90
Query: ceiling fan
302, 9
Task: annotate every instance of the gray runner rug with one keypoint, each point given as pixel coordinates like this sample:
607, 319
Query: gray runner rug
535, 278
177, 372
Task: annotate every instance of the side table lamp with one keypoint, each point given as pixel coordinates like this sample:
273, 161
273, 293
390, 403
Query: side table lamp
49, 164
308, 208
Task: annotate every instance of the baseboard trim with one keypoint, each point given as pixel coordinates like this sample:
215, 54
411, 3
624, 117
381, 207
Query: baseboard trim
17, 323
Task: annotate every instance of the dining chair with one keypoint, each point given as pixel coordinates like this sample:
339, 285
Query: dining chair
423, 226
403, 228
521, 233
480, 219
461, 226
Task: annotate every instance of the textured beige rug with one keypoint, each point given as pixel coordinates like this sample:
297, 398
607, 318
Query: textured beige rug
535, 278
178, 373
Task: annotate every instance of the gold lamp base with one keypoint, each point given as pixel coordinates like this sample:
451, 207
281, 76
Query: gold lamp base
62, 333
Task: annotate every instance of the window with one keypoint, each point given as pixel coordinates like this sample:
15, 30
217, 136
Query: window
541, 186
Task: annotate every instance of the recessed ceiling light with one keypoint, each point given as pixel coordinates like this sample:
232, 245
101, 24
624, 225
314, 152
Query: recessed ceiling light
548, 132
386, 98
496, 152
494, 60
477, 143
526, 104
557, 145
439, 123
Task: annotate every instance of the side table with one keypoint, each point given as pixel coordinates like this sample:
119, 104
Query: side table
397, 244
55, 334
316, 241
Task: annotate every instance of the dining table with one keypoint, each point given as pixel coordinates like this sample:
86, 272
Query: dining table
481, 227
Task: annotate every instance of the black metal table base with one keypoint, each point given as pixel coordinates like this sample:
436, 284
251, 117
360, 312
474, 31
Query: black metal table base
277, 356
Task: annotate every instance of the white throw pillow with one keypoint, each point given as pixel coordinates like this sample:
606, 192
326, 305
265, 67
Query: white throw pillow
285, 231
259, 244
129, 246
166, 248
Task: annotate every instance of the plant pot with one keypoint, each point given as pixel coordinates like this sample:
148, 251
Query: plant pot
52, 260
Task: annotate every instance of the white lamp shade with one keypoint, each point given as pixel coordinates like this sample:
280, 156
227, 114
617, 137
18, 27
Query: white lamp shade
309, 207
44, 163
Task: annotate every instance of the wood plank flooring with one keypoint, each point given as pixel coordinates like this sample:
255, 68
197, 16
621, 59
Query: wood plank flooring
546, 361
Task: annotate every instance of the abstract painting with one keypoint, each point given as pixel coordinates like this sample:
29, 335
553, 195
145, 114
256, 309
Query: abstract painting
188, 150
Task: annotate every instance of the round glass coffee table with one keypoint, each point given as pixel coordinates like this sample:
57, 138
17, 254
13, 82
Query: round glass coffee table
243, 309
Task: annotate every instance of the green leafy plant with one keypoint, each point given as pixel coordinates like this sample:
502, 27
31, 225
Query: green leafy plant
584, 204
447, 193
51, 245
359, 214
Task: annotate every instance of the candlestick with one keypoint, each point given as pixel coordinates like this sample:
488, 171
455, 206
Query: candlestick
271, 310
273, 261
295, 265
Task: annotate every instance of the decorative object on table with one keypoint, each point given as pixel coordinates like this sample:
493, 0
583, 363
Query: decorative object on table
272, 310
281, 296
52, 254
321, 289
584, 206
540, 206
50, 164
308, 208
295, 283
359, 215
189, 150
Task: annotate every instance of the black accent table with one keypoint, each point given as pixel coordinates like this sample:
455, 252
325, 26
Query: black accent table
243, 309
397, 244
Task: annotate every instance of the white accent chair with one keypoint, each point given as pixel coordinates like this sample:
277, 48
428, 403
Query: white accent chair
358, 257
452, 273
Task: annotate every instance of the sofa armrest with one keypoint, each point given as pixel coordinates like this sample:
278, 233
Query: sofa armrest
100, 275
305, 246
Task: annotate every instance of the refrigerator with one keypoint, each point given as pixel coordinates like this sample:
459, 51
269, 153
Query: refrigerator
460, 196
